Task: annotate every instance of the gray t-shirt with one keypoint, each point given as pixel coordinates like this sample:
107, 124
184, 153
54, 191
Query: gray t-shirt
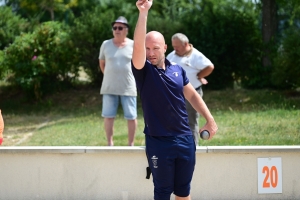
118, 78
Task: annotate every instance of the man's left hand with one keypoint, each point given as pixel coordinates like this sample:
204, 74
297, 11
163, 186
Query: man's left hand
203, 81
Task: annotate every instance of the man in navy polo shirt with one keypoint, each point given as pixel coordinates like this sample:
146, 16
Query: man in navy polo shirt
163, 88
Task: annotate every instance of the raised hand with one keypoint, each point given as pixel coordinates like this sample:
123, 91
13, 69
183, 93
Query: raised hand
144, 5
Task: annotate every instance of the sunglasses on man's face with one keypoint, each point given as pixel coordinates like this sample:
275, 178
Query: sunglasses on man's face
120, 28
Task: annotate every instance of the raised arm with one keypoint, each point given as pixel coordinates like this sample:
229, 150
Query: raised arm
139, 50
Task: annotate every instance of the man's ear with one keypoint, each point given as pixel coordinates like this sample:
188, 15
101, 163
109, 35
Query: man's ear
165, 48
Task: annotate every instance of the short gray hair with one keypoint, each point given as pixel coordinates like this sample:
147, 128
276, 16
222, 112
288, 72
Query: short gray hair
181, 37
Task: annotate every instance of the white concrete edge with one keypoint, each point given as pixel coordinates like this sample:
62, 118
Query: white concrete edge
252, 149
138, 149
43, 149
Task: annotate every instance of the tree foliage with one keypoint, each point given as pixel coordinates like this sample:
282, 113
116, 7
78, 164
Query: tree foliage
11, 25
228, 37
88, 33
228, 32
286, 73
3, 68
47, 10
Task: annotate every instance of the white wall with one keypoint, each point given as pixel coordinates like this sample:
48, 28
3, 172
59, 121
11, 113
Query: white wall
88, 173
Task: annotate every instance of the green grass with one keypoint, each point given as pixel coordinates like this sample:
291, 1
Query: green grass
270, 127
73, 118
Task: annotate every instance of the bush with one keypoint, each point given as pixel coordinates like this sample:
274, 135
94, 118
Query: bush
88, 33
44, 60
286, 73
11, 25
2, 66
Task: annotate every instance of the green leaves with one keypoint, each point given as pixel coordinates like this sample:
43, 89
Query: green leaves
228, 36
287, 63
228, 32
41, 61
11, 25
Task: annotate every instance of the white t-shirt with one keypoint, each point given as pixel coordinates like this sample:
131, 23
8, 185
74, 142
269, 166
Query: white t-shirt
118, 78
192, 64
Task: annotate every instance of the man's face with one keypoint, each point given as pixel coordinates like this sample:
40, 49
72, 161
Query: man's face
155, 51
119, 30
179, 47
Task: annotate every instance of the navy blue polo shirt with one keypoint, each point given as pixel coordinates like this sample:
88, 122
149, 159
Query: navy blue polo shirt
163, 102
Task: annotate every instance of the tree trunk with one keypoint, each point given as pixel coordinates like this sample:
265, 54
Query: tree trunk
52, 14
269, 27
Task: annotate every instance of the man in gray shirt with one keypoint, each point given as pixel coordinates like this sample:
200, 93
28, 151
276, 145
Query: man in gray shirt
118, 82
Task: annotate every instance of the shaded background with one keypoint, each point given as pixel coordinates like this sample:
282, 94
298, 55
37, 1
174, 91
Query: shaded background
46, 45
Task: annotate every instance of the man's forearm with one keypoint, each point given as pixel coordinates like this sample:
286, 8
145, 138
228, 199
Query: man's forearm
101, 65
139, 50
205, 72
140, 31
200, 106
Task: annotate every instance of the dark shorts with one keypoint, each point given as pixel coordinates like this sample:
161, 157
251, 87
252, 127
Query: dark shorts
172, 161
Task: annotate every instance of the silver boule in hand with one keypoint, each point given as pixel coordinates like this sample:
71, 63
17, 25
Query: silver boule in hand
205, 135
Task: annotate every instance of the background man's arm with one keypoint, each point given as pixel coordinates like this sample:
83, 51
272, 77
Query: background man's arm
102, 65
204, 73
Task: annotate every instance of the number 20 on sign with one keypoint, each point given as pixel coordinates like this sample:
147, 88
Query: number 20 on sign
269, 175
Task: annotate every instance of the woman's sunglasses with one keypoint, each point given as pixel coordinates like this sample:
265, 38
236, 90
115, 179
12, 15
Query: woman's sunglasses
120, 28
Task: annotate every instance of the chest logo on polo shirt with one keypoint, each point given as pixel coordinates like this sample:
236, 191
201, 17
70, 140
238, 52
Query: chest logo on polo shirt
176, 73
187, 63
154, 161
